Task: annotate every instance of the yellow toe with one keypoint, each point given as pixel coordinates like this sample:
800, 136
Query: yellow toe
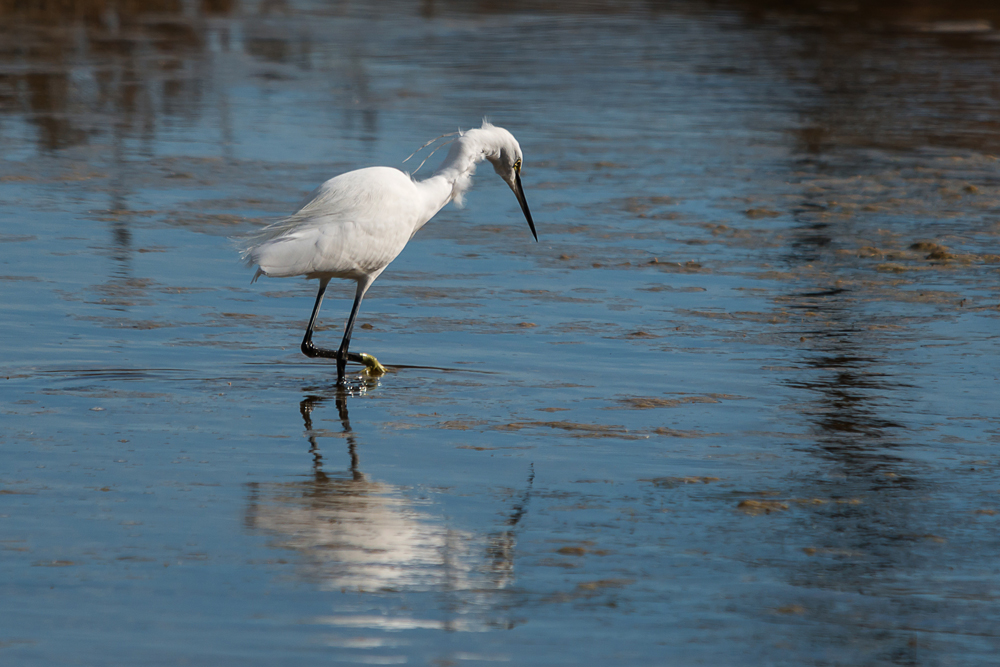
371, 363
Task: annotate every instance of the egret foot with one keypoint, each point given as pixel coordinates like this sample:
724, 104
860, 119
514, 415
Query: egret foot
374, 368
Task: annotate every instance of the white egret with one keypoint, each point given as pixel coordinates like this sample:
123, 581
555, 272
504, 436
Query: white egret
358, 222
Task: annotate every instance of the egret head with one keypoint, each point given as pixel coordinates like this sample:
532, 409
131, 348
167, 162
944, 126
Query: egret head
504, 153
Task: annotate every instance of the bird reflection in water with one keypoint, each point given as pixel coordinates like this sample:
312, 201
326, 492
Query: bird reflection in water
354, 533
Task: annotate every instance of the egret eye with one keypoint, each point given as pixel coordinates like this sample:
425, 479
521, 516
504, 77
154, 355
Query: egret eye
517, 164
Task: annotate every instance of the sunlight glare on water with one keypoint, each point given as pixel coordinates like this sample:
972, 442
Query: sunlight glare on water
737, 406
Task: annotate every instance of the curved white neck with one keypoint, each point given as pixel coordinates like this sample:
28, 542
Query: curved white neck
454, 177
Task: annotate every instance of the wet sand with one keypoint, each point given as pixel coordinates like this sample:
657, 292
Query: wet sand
738, 405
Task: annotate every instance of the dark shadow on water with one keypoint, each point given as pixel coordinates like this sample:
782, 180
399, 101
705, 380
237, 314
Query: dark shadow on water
870, 535
863, 527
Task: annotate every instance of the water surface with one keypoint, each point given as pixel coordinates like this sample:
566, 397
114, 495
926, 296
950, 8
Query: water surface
738, 405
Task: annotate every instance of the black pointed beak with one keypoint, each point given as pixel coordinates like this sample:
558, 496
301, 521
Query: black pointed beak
519, 193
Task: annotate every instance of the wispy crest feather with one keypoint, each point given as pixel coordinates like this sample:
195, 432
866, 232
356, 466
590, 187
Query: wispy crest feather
436, 149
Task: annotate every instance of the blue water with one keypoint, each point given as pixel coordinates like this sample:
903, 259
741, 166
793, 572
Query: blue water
728, 410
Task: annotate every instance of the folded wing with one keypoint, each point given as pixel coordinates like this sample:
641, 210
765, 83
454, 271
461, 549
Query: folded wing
356, 224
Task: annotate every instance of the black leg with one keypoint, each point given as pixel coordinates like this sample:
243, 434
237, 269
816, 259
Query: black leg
342, 355
308, 348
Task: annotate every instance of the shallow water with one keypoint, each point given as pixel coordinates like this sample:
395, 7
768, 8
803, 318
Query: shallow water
737, 406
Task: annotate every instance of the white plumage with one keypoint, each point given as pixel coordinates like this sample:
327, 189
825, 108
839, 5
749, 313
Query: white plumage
355, 225
358, 222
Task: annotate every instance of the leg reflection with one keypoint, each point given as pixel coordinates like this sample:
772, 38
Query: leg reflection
353, 533
306, 407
